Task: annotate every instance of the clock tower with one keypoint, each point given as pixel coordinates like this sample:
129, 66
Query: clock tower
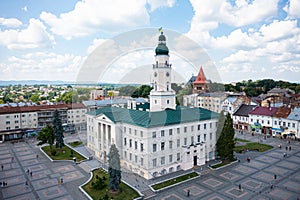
162, 96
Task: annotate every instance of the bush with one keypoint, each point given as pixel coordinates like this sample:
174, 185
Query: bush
99, 184
53, 152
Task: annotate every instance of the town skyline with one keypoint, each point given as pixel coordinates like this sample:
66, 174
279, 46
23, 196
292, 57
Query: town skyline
244, 39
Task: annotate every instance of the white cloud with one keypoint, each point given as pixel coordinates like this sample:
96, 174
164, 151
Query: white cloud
25, 8
286, 68
34, 36
10, 22
41, 66
96, 43
90, 16
293, 8
155, 4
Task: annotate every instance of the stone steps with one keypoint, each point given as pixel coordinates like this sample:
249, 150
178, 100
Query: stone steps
148, 194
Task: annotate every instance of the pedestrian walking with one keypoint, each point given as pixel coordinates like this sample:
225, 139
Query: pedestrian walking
188, 193
272, 186
27, 171
275, 176
290, 148
2, 167
286, 148
240, 187
37, 156
284, 155
12, 159
30, 173
26, 183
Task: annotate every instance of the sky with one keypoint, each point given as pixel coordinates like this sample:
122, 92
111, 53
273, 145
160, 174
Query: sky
244, 39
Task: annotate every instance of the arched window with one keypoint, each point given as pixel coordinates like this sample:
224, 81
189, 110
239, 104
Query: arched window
168, 101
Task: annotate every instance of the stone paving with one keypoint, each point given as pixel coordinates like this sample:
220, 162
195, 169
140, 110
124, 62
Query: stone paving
42, 182
256, 178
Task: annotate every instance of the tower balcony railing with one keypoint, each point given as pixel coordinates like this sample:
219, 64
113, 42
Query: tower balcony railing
161, 65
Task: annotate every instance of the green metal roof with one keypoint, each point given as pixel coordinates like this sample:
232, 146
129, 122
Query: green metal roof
155, 119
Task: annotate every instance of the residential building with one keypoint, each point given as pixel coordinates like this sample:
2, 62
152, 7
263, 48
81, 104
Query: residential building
241, 117
261, 119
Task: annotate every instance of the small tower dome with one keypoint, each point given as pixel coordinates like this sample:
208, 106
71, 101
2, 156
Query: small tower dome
162, 48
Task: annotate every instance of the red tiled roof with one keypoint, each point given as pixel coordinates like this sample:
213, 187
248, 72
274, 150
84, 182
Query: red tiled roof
19, 109
282, 112
266, 111
201, 77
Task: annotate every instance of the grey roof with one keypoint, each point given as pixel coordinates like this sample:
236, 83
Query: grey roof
244, 110
155, 119
295, 114
213, 94
109, 102
231, 99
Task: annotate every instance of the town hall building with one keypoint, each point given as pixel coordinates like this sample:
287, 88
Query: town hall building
158, 137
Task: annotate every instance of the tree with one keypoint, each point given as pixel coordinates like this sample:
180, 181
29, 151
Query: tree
126, 90
220, 124
46, 135
114, 168
142, 91
110, 94
58, 130
225, 143
35, 98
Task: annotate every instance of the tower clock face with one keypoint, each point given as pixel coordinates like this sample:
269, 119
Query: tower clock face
167, 74
155, 74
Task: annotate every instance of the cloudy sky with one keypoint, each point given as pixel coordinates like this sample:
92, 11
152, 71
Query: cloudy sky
245, 39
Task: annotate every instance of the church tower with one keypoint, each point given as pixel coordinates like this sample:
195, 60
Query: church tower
162, 96
200, 85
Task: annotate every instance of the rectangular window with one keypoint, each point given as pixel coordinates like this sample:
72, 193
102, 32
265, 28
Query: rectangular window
142, 135
210, 125
125, 154
142, 147
210, 136
135, 158
135, 145
153, 134
198, 138
293, 125
16, 127
289, 124
17, 121
178, 156
7, 117
170, 144
130, 156
162, 146
170, 131
204, 137
192, 140
125, 141
162, 133
8, 122
142, 161
275, 122
178, 130
204, 126
185, 129
185, 141
192, 128
198, 127
178, 142
135, 132
162, 160
154, 147
124, 128
283, 123
154, 162
170, 158
130, 143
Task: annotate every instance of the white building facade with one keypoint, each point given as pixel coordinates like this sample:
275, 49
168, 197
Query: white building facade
161, 140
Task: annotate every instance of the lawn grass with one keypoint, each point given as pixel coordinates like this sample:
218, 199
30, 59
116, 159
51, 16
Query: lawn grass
252, 146
63, 154
126, 193
223, 163
241, 140
174, 181
75, 144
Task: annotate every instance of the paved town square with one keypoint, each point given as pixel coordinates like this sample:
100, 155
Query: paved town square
267, 176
